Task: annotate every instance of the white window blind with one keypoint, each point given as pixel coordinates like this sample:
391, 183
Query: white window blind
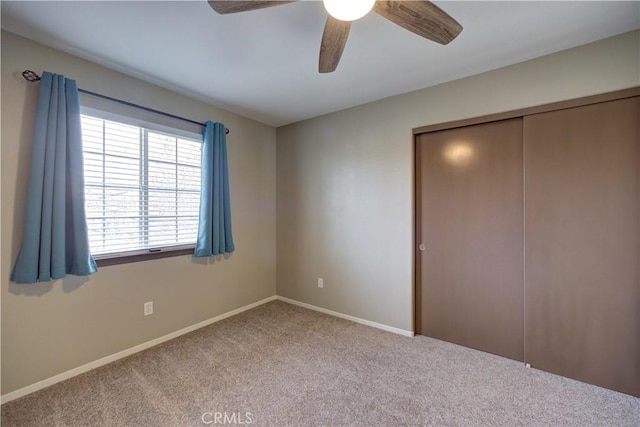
142, 188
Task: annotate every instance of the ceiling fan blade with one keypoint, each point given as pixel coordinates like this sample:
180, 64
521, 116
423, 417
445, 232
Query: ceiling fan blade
334, 38
232, 6
422, 18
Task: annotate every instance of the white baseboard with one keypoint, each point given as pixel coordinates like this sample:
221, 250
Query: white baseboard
124, 353
135, 349
348, 317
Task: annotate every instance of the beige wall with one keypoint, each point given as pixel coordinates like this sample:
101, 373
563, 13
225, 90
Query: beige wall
345, 180
49, 328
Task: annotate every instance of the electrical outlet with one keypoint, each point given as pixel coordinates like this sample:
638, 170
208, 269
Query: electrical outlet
320, 282
148, 308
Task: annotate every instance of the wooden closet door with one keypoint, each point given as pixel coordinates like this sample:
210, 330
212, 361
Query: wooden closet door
470, 220
581, 233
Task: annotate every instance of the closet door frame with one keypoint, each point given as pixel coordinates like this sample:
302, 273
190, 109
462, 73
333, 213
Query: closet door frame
578, 102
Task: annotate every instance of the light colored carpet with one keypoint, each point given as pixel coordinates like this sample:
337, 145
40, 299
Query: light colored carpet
288, 366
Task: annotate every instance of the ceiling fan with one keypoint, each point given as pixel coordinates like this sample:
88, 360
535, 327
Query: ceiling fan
418, 16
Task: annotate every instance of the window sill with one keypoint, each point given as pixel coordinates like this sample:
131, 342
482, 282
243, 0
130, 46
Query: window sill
103, 262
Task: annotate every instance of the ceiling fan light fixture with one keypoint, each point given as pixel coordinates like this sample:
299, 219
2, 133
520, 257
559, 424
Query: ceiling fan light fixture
348, 10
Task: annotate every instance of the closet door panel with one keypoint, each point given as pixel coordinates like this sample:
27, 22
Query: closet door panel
582, 297
470, 216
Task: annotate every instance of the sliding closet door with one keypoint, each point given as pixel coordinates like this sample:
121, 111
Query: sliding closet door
469, 215
581, 232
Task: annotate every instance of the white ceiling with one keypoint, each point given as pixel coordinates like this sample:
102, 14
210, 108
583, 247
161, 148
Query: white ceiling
264, 64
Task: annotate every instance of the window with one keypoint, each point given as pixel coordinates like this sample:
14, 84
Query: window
142, 188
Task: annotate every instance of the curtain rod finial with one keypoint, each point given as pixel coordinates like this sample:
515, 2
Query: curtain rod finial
30, 76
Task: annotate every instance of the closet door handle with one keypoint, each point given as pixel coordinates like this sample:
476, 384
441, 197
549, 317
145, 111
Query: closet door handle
422, 247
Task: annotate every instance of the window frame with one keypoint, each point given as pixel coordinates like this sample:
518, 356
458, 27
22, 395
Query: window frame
126, 257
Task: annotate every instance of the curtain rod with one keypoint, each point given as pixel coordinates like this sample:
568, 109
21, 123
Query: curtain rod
32, 76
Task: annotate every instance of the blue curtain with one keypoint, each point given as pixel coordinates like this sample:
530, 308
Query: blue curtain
214, 227
55, 241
